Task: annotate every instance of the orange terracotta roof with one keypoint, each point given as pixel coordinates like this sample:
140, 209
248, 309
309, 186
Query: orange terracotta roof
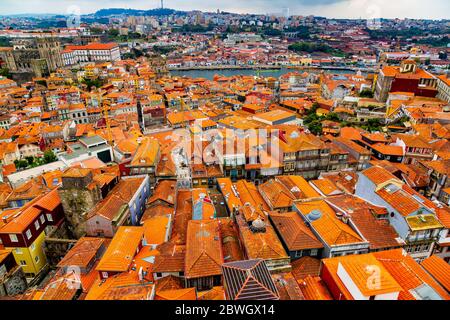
379, 175
283, 190
24, 216
146, 153
305, 266
327, 187
332, 230
164, 191
28, 190
82, 253
4, 253
94, 46
443, 215
313, 288
204, 251
388, 149
117, 199
251, 198
177, 294
168, 283
183, 214
216, 293
169, 262
439, 270
156, 229
294, 232
61, 288
227, 188
76, 173
408, 273
412, 141
288, 288
119, 255
124, 286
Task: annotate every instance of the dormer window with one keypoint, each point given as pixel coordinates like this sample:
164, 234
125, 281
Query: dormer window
13, 238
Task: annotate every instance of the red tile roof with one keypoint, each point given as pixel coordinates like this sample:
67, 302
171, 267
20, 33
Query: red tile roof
294, 232
439, 270
204, 250
119, 255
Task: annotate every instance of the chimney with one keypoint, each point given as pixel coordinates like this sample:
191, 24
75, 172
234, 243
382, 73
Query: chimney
141, 274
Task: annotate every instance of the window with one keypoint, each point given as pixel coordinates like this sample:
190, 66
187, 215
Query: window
18, 251
42, 219
36, 224
158, 274
13, 238
298, 254
32, 247
28, 233
36, 259
23, 263
314, 252
49, 217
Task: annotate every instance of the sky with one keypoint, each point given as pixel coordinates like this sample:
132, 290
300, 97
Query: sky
366, 9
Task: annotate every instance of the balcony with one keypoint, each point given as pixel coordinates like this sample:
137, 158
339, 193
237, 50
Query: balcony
420, 239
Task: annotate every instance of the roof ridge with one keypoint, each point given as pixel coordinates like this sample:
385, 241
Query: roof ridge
251, 277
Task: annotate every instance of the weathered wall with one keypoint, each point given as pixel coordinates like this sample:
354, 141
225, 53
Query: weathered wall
15, 283
76, 203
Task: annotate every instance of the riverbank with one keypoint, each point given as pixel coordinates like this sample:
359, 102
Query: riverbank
227, 67
269, 67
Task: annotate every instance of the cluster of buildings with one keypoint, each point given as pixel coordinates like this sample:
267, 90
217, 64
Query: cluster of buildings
121, 181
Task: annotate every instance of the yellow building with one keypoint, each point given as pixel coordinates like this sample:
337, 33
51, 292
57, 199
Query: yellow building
32, 258
23, 230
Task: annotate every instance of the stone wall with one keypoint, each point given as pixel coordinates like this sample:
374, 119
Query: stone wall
57, 243
76, 204
14, 283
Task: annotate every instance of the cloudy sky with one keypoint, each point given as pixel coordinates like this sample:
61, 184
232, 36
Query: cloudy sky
434, 9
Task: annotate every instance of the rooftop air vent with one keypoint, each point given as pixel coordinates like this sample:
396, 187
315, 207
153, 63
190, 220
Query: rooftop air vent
294, 135
314, 215
258, 226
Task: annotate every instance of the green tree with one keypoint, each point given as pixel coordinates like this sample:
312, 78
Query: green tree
113, 33
372, 125
366, 93
21, 164
273, 32
49, 156
30, 160
95, 30
4, 72
92, 83
332, 117
312, 47
315, 127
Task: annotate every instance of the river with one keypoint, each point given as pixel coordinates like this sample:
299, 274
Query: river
276, 73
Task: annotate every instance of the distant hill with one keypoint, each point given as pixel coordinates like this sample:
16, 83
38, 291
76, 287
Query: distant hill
134, 12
